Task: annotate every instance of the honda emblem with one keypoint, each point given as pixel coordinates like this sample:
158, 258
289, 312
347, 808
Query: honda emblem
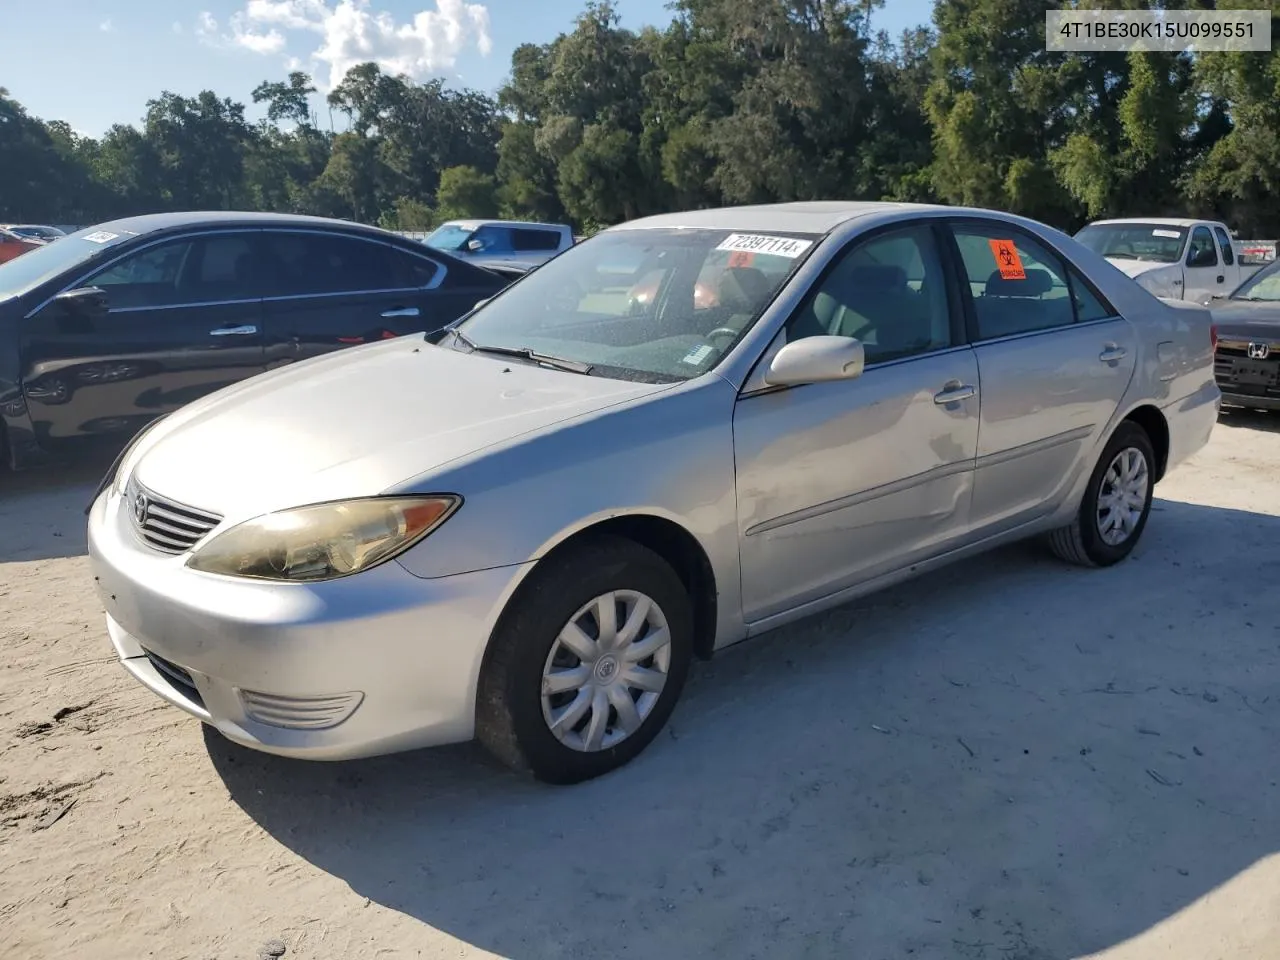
1259, 351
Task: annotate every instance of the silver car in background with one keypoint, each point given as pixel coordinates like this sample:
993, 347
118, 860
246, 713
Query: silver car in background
680, 433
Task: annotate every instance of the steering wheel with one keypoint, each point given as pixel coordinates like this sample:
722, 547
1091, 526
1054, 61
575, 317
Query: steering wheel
722, 332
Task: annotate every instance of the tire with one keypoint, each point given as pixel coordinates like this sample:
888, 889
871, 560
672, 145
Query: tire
1083, 542
527, 653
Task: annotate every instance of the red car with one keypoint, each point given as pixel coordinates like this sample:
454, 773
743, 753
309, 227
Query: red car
13, 246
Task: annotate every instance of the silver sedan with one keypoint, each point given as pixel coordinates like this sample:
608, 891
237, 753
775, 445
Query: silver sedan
680, 433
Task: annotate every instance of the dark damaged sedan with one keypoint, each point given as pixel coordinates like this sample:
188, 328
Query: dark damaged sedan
121, 323
1246, 360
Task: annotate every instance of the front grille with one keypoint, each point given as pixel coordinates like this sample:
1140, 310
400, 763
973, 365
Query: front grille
1237, 374
164, 524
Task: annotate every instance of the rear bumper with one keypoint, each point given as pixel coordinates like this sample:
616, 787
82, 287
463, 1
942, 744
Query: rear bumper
1191, 421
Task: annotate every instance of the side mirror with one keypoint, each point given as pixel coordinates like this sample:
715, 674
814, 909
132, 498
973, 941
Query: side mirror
475, 246
815, 360
83, 301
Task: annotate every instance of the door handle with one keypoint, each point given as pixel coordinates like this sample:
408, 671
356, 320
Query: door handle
1113, 353
1177, 283
954, 392
1222, 279
401, 312
244, 330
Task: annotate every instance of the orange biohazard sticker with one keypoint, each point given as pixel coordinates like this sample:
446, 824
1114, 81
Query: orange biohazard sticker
1007, 260
741, 258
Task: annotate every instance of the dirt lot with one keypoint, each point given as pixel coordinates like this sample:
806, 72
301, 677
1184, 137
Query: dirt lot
1010, 760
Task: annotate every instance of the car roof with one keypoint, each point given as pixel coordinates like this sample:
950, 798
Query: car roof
153, 222
811, 216
475, 224
1158, 221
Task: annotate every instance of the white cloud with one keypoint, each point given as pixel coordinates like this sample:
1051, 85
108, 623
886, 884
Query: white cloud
177, 28
348, 32
106, 26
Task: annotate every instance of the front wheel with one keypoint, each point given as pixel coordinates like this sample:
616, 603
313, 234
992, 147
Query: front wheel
1116, 502
587, 665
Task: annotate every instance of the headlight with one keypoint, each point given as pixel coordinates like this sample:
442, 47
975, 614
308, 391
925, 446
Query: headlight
325, 541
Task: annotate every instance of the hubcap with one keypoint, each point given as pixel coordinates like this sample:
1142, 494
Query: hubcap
606, 671
1122, 496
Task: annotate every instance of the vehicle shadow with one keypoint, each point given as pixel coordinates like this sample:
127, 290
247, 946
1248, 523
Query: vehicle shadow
1249, 419
1007, 759
42, 510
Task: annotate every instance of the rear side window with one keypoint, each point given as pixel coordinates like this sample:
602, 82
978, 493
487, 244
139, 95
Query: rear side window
529, 241
1017, 285
492, 239
303, 264
1224, 244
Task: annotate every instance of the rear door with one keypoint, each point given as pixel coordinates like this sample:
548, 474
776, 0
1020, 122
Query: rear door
328, 290
183, 318
1203, 267
1054, 359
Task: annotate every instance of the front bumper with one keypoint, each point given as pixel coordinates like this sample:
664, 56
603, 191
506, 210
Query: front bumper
375, 663
1251, 400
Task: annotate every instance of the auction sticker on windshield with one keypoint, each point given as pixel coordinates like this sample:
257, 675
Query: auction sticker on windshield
1171, 234
759, 243
101, 237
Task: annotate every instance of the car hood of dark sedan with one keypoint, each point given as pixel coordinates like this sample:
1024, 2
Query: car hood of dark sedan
355, 423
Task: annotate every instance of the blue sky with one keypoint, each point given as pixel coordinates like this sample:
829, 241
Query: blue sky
96, 62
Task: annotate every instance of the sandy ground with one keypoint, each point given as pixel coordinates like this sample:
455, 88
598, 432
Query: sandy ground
1009, 760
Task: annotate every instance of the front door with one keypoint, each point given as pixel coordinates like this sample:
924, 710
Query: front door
1205, 274
1054, 360
182, 319
841, 482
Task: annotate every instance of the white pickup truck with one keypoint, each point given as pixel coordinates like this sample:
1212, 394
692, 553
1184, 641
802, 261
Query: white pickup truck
1176, 259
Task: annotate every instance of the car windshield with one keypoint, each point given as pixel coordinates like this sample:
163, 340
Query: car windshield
1263, 285
451, 236
1134, 241
28, 271
651, 305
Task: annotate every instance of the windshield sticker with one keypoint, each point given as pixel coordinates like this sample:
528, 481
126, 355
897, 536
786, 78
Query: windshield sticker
101, 237
1171, 234
759, 243
1007, 260
697, 355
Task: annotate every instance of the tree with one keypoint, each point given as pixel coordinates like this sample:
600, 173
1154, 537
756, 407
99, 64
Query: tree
466, 192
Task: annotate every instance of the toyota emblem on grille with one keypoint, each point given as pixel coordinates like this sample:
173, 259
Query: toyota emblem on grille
1259, 351
140, 507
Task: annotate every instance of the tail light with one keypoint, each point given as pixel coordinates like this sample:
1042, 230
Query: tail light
1213, 335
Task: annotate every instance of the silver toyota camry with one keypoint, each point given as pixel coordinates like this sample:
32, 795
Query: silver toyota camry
680, 433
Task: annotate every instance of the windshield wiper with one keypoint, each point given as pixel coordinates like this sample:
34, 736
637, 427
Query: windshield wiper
525, 353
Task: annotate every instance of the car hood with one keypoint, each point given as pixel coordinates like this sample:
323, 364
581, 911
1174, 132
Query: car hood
1135, 268
355, 423
1243, 318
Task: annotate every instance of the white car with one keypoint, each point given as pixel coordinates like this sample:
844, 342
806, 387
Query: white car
527, 531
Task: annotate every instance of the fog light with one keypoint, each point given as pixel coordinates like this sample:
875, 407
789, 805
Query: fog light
300, 713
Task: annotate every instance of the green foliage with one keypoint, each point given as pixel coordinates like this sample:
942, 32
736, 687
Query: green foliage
734, 101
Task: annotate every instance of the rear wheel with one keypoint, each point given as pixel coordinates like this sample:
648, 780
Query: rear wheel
1116, 503
587, 665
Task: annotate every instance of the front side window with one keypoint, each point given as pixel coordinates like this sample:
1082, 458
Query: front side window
889, 292
1224, 244
450, 237
1017, 284
23, 274
310, 264
490, 240
651, 305
1201, 252
183, 272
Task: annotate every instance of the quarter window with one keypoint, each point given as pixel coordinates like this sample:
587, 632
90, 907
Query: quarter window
1017, 285
524, 240
889, 292
305, 264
